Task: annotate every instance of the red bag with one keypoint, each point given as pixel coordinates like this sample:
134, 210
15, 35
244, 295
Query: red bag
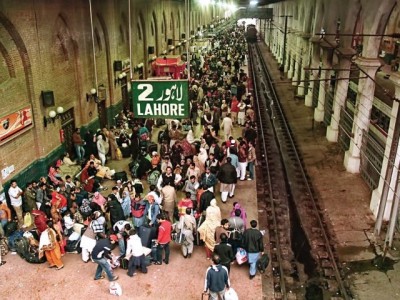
137, 210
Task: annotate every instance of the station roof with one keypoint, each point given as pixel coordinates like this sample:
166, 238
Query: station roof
260, 2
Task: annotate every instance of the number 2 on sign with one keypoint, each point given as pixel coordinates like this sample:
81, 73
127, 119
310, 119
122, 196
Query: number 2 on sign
148, 89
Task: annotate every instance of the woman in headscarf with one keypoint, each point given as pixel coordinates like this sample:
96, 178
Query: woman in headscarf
115, 209
101, 148
207, 229
49, 246
98, 202
126, 203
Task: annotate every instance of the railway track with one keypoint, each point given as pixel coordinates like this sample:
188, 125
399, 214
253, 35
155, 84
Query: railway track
303, 258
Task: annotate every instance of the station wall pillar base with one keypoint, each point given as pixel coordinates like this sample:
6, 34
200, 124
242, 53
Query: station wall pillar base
375, 201
332, 134
351, 163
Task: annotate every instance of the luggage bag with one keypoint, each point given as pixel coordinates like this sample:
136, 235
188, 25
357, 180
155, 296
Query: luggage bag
121, 176
146, 234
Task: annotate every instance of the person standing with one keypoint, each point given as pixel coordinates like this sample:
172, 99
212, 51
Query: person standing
49, 245
30, 197
209, 179
113, 143
163, 239
227, 126
15, 194
5, 214
78, 144
168, 193
101, 252
251, 159
191, 187
227, 177
242, 155
101, 149
223, 228
115, 209
187, 223
225, 252
253, 243
41, 195
217, 279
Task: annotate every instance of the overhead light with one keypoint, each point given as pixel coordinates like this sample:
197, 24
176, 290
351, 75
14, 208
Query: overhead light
92, 95
53, 115
253, 2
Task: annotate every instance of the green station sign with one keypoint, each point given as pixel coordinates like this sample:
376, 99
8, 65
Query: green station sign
167, 99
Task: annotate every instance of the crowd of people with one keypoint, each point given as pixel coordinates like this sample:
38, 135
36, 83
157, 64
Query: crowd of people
198, 157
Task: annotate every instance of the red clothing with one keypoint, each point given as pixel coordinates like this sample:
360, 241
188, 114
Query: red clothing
183, 204
55, 197
242, 154
234, 105
164, 232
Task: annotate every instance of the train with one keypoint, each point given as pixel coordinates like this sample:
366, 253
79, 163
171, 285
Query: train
251, 33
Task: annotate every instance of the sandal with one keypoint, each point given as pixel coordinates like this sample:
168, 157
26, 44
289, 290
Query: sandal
59, 268
157, 263
101, 277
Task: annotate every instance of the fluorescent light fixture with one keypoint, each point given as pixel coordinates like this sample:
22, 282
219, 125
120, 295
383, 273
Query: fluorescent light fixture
253, 2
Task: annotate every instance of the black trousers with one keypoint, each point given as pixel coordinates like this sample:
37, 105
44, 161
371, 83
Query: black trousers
136, 261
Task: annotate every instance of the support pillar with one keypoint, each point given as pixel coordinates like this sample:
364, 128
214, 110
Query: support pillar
366, 89
323, 84
288, 62
390, 142
342, 85
294, 67
309, 96
290, 66
316, 58
319, 110
302, 73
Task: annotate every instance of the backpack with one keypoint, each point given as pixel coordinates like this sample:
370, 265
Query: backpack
153, 177
13, 238
138, 210
262, 263
27, 252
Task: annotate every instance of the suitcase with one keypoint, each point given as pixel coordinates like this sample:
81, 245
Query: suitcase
147, 234
121, 176
126, 152
151, 147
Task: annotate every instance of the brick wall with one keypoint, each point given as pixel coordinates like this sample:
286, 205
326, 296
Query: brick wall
47, 45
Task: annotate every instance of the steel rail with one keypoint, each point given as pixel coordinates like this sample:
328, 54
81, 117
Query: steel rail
262, 135
307, 185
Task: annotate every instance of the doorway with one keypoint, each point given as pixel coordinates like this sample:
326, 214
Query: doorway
101, 108
68, 125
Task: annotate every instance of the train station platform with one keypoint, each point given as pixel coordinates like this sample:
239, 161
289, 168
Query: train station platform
180, 279
343, 197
